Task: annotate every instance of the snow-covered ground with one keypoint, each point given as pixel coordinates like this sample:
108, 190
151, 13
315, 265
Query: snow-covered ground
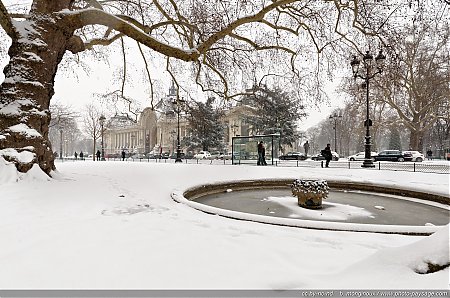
114, 225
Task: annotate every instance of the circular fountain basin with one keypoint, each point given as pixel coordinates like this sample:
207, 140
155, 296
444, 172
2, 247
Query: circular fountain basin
349, 206
341, 205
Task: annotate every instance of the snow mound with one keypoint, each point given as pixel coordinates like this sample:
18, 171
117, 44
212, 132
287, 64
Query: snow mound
9, 173
433, 250
410, 261
34, 174
331, 211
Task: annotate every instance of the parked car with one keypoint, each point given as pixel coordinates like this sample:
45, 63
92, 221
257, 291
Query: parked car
152, 155
174, 155
165, 155
361, 156
137, 156
390, 155
202, 155
415, 156
215, 155
293, 156
241, 155
225, 156
319, 156
113, 155
189, 155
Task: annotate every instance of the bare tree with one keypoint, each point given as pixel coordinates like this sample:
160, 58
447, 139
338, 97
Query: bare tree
92, 125
438, 137
219, 40
354, 115
416, 82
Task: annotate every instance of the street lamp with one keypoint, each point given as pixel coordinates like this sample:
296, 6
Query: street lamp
60, 143
172, 137
102, 122
177, 108
367, 73
334, 118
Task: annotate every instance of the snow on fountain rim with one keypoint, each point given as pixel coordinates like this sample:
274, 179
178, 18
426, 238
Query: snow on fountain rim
178, 196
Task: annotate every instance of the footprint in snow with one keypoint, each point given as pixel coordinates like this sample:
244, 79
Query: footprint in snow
134, 209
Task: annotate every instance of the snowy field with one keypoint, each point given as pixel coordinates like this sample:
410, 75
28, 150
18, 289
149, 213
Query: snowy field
114, 225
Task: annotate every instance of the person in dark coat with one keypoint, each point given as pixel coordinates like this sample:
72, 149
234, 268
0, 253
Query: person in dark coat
81, 155
327, 154
260, 147
261, 155
98, 154
123, 155
76, 155
306, 147
430, 154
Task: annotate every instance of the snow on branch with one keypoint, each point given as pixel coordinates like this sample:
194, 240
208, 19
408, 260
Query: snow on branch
101, 41
93, 16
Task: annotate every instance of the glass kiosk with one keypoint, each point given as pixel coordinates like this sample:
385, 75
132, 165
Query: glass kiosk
245, 149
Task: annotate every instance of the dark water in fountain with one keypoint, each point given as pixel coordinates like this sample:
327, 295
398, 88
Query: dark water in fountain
340, 206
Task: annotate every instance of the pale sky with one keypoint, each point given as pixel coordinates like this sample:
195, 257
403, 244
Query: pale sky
79, 92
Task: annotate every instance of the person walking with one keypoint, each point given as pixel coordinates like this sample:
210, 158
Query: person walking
261, 155
260, 147
98, 155
76, 155
123, 155
429, 154
326, 152
306, 147
264, 163
81, 155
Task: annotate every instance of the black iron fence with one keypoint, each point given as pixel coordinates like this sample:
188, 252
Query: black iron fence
440, 167
424, 167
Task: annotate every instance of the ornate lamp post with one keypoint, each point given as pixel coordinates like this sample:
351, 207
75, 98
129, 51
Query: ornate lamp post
172, 137
177, 106
60, 143
334, 118
102, 122
368, 72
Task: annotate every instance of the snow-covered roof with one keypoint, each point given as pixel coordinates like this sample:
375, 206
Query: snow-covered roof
120, 121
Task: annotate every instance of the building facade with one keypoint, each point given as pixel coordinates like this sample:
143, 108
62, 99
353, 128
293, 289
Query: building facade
157, 132
123, 134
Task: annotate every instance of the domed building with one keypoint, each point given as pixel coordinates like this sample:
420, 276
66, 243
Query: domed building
125, 134
157, 132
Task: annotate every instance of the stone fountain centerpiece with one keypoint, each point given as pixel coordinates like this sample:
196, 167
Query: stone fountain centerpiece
310, 193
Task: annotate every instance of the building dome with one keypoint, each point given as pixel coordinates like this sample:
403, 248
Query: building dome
120, 121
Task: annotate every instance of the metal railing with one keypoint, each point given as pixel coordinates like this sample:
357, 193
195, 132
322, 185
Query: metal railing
438, 168
424, 167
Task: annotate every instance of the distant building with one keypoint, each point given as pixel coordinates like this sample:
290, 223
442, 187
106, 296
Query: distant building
157, 131
124, 134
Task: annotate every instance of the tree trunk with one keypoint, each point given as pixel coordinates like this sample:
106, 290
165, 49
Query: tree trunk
416, 140
25, 94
